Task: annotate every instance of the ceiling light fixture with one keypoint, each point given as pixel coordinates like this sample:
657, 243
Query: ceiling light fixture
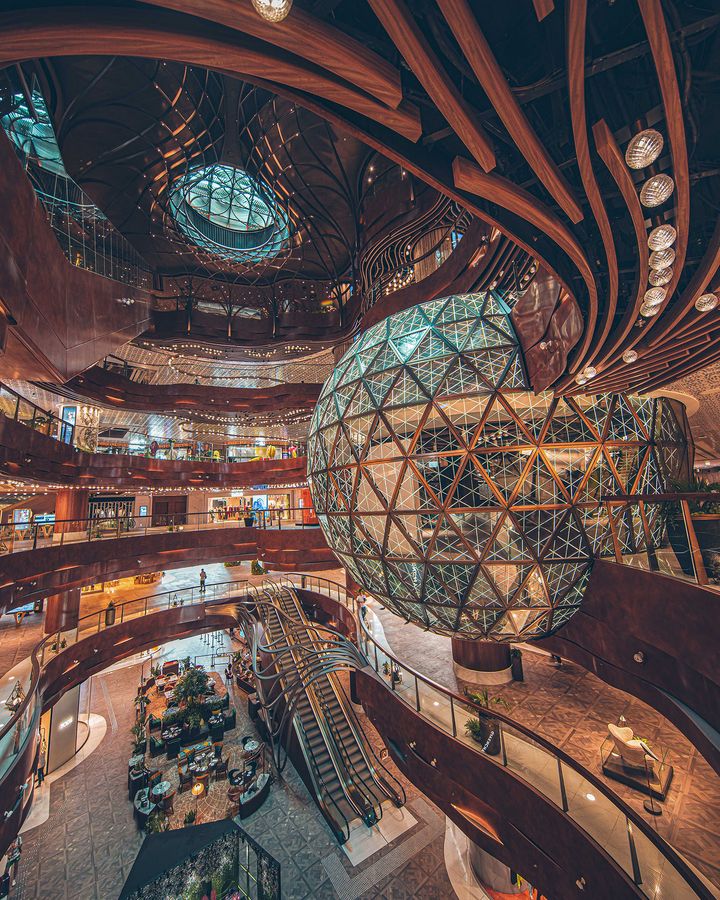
655, 296
661, 237
644, 149
648, 312
657, 190
661, 259
630, 356
706, 302
272, 10
658, 277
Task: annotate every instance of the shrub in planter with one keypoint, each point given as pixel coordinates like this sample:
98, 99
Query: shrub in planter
257, 568
189, 817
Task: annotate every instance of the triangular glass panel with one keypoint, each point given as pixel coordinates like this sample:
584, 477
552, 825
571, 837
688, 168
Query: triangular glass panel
567, 426
503, 469
569, 541
623, 424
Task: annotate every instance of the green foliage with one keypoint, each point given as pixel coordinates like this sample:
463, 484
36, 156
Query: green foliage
482, 698
698, 485
157, 822
257, 568
474, 729
191, 685
189, 817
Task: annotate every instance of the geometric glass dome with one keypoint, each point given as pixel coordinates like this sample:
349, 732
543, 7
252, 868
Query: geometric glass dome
225, 210
466, 503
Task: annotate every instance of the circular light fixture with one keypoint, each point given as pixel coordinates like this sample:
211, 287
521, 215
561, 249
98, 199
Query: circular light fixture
644, 148
657, 190
706, 302
661, 237
661, 259
649, 311
655, 296
590, 371
275, 10
630, 356
581, 378
658, 277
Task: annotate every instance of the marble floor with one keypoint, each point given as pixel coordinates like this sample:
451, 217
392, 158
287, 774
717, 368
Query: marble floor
88, 843
571, 707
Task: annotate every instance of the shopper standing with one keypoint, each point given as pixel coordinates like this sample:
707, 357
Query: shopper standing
203, 579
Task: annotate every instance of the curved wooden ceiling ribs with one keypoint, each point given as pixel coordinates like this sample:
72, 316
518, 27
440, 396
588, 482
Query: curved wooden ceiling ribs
370, 69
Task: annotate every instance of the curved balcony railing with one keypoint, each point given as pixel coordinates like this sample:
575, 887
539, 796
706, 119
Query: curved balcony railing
17, 407
19, 537
676, 534
648, 860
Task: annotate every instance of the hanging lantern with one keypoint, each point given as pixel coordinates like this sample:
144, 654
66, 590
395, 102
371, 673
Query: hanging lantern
706, 302
662, 237
657, 190
630, 356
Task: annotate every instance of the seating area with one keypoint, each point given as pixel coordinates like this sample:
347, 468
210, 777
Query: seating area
187, 764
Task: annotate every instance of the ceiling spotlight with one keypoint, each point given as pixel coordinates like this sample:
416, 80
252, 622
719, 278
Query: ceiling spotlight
661, 259
644, 149
272, 10
649, 311
658, 277
657, 190
706, 302
661, 237
590, 371
581, 378
655, 296
630, 356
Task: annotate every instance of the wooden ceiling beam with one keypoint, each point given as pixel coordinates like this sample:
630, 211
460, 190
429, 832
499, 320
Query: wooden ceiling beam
306, 36
154, 34
471, 39
403, 30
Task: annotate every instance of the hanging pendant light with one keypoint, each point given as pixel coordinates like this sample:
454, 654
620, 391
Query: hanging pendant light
662, 237
706, 302
273, 10
630, 356
644, 149
649, 311
656, 190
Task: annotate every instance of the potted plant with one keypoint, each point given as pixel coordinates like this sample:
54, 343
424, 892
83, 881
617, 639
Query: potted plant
257, 568
157, 822
139, 735
392, 672
189, 817
485, 729
705, 516
516, 664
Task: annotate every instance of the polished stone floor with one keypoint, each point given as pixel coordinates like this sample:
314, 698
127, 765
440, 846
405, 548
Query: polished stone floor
571, 708
87, 846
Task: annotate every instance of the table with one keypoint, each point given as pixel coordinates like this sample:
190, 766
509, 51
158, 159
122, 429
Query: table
142, 802
170, 733
161, 788
203, 765
171, 711
215, 720
251, 746
135, 762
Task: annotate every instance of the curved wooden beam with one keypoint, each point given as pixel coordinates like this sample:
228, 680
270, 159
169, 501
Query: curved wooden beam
154, 34
656, 28
305, 36
471, 39
402, 28
576, 28
468, 177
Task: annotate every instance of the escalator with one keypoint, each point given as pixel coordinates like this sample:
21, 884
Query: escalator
349, 782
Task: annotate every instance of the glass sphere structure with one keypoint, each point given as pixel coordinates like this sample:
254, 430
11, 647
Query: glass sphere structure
466, 503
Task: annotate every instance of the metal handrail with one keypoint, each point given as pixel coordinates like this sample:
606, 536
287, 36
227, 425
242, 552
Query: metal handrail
637, 821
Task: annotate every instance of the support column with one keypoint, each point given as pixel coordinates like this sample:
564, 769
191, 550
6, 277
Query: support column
493, 874
71, 512
62, 612
482, 662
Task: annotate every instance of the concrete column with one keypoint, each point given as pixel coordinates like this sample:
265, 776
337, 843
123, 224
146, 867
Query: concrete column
481, 662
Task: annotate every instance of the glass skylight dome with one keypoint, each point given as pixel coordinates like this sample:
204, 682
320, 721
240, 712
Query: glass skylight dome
226, 211
34, 137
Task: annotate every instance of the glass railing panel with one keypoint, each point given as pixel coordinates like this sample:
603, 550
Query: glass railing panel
598, 816
8, 402
660, 878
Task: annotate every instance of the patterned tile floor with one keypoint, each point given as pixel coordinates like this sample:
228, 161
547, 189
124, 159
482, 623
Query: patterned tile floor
571, 707
88, 844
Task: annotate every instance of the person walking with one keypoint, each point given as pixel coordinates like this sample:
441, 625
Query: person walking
203, 579
13, 859
42, 761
